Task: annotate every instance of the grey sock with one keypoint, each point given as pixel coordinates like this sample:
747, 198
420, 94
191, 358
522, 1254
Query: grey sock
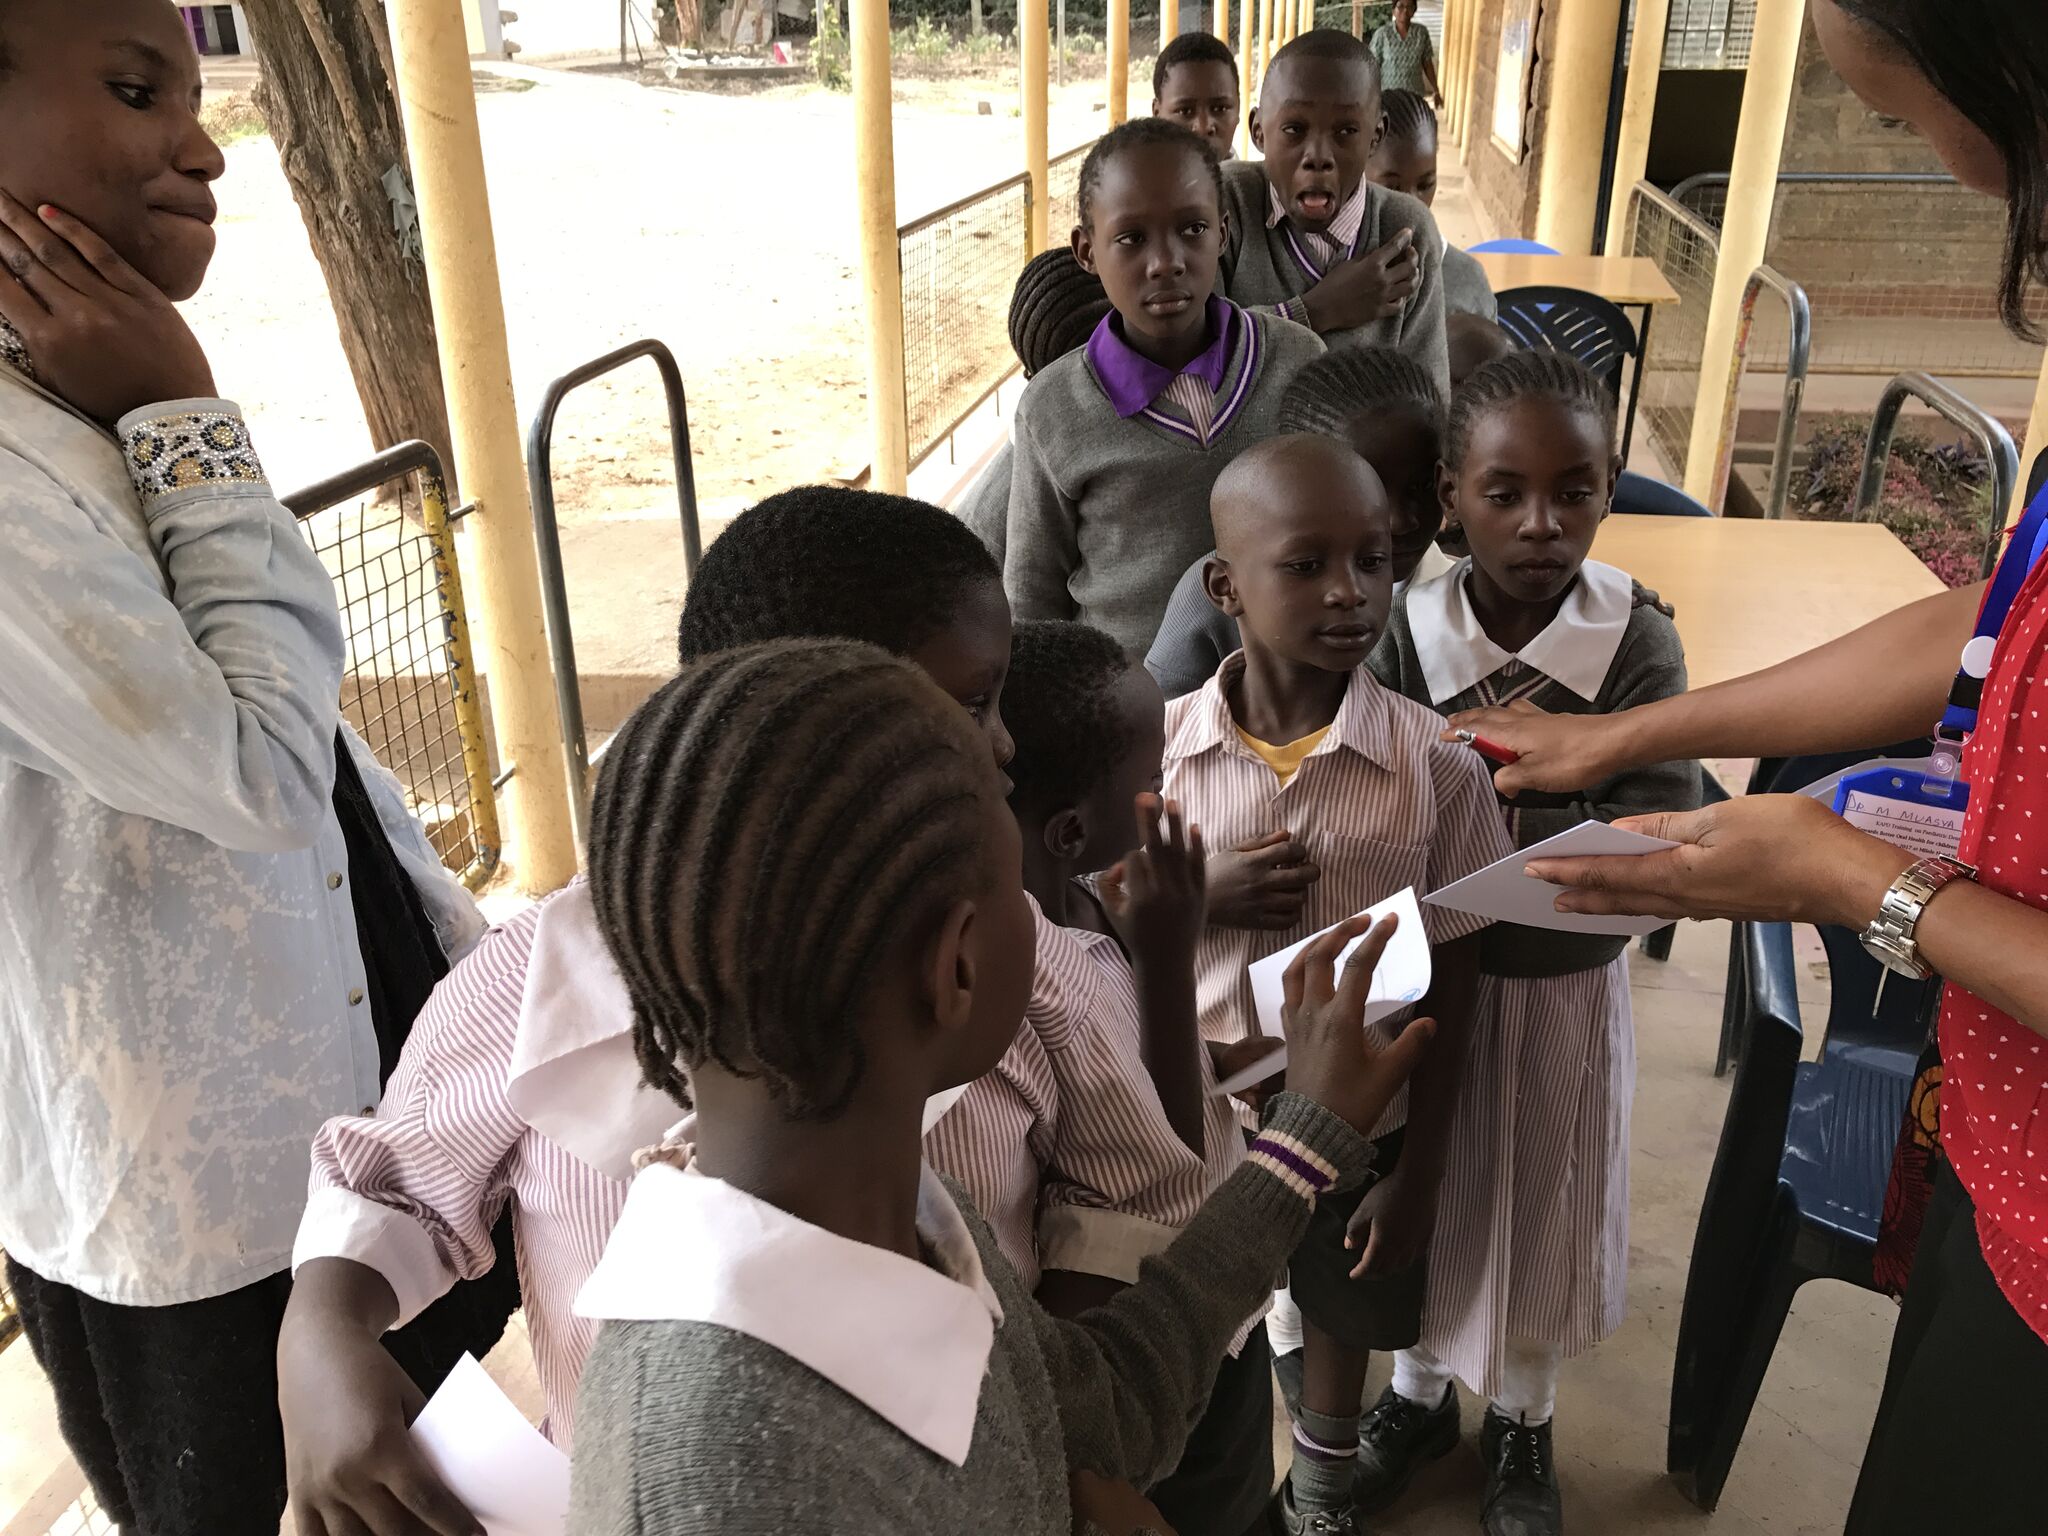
1325, 1457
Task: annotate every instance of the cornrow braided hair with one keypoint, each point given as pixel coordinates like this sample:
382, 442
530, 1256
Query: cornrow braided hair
1060, 706
766, 829
1525, 375
1338, 386
1137, 132
1409, 117
1055, 308
1190, 48
835, 563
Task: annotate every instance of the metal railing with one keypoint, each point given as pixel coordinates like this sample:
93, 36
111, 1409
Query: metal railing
547, 540
1897, 268
1799, 358
1959, 412
1687, 250
385, 532
959, 266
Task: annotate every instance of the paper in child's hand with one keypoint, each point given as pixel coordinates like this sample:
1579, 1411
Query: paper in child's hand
1401, 981
1504, 893
502, 1468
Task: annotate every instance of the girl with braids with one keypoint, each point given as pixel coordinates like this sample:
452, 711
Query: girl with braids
1404, 160
1117, 445
520, 1087
1054, 309
803, 864
1386, 406
1529, 1263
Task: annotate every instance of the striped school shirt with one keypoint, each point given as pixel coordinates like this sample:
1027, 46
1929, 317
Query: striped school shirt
1381, 804
414, 1190
1065, 1147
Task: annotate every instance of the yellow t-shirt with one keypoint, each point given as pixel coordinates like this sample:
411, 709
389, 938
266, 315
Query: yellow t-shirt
1284, 761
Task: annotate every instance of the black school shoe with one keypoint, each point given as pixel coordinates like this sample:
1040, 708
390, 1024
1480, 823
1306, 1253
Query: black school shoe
1289, 1521
1396, 1439
1521, 1479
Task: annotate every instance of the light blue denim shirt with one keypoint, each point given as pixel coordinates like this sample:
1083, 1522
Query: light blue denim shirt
182, 999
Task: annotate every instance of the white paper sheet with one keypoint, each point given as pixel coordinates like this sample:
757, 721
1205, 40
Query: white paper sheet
1400, 982
1502, 892
1926, 831
512, 1479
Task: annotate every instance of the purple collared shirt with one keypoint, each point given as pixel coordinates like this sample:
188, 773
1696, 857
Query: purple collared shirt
1133, 382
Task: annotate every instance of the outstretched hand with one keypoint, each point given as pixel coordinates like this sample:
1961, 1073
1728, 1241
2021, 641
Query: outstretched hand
1156, 894
1331, 1056
1557, 754
100, 334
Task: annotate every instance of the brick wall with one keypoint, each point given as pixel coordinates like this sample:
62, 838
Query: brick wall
1505, 190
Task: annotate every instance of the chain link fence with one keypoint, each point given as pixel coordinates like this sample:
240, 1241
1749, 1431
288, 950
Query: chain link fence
384, 532
1686, 250
959, 266
1897, 269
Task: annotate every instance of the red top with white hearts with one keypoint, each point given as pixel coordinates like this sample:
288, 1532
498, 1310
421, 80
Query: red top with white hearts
1994, 1087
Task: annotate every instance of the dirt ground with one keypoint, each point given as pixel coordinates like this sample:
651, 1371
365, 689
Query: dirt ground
722, 224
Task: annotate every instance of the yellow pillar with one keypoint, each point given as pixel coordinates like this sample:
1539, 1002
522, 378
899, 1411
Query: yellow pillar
1119, 44
461, 257
1638, 108
1033, 65
1746, 223
1221, 20
1169, 21
2037, 441
1447, 71
1574, 123
874, 159
1470, 108
1247, 71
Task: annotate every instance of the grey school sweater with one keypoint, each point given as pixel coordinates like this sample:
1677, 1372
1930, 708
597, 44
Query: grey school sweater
985, 509
688, 1429
1261, 269
1650, 664
1106, 512
1466, 290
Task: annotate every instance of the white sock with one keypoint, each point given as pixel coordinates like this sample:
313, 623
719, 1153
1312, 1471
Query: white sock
1420, 1377
1283, 1323
1528, 1381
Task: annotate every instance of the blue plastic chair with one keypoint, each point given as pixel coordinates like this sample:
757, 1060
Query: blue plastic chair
1645, 496
1514, 248
1798, 1182
1581, 324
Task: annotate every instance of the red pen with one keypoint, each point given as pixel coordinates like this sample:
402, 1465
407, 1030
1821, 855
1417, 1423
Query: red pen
1492, 751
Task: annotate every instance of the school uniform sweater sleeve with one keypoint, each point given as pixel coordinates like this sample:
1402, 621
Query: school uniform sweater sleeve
1041, 542
1422, 335
985, 508
203, 693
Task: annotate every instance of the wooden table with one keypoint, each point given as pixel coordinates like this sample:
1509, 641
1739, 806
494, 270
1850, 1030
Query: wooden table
1630, 282
1624, 280
1751, 593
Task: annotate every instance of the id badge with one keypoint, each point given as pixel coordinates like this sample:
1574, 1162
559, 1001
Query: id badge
1915, 807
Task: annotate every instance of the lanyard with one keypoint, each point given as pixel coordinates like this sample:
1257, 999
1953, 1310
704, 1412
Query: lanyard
2022, 552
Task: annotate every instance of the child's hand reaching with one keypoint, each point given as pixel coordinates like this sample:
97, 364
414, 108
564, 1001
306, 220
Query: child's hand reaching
1392, 1223
1156, 895
1103, 1507
1331, 1056
1261, 884
1369, 286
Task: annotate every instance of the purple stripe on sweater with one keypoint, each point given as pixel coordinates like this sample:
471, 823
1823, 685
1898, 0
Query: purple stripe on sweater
1246, 377
1309, 1172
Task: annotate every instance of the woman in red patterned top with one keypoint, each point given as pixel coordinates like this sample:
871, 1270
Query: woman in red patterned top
1967, 1389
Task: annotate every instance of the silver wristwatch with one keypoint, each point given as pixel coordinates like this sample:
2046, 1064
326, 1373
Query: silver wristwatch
1889, 938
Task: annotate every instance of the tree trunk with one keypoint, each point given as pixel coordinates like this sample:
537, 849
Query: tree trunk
328, 94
